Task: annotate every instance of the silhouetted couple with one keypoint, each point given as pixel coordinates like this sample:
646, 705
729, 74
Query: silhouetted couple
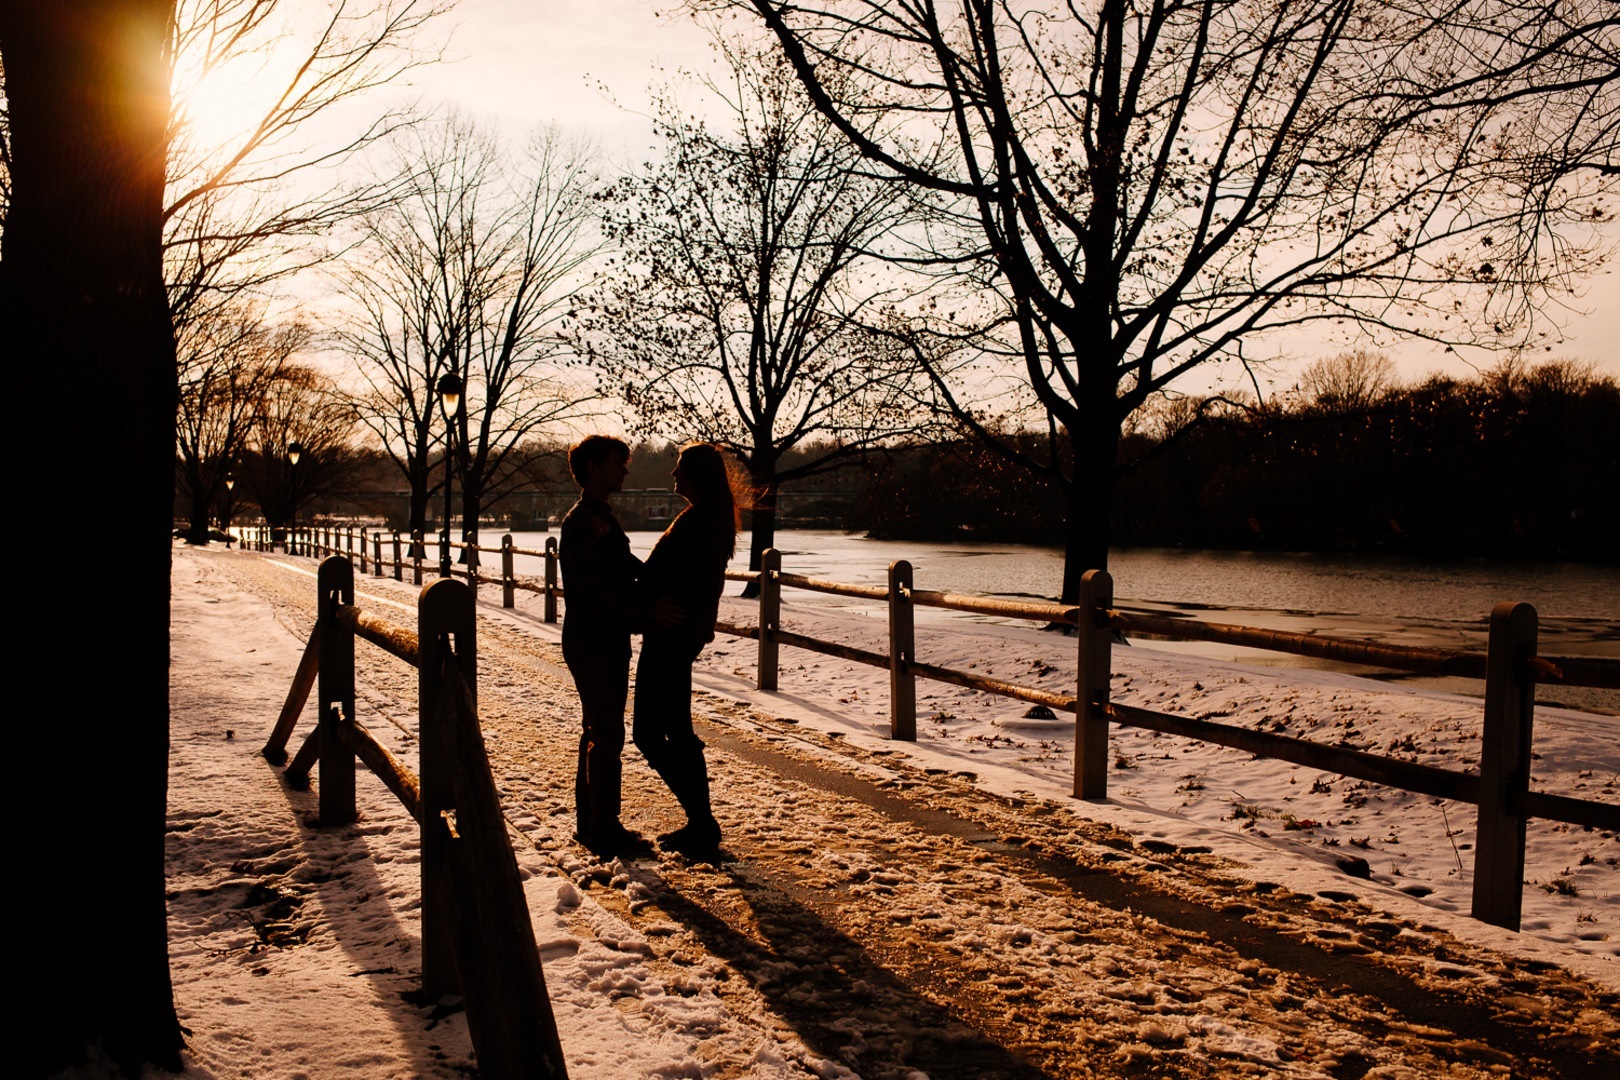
672, 600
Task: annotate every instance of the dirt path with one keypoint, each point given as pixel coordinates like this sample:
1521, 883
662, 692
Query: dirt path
897, 920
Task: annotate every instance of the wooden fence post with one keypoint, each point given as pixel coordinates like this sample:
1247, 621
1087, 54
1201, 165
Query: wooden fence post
399, 558
365, 565
418, 553
1093, 641
551, 579
498, 971
508, 579
770, 616
335, 692
902, 651
445, 633
376, 554
1504, 765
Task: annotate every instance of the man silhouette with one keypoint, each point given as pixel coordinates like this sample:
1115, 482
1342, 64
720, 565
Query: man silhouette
599, 575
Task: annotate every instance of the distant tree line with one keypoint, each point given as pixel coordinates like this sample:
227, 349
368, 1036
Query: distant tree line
1520, 461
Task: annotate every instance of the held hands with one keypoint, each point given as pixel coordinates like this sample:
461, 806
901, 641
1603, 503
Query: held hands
667, 613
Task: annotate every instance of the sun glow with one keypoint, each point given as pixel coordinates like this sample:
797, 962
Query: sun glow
218, 107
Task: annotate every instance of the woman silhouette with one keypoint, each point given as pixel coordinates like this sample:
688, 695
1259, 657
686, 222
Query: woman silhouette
680, 588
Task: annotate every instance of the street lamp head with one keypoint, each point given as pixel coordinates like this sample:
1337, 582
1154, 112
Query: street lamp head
295, 450
450, 391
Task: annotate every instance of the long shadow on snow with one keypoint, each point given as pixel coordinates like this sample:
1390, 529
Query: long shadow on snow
844, 1003
1336, 972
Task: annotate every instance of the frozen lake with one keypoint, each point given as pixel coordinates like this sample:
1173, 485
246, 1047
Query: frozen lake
1372, 585
1392, 599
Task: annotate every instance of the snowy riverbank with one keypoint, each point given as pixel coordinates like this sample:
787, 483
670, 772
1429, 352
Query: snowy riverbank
268, 993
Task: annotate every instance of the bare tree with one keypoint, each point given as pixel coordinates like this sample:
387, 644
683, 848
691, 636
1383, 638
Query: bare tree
467, 274
1154, 184
250, 202
1351, 381
245, 200
235, 363
298, 407
736, 310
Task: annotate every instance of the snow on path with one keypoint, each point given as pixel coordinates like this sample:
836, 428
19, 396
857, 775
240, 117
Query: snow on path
840, 942
295, 949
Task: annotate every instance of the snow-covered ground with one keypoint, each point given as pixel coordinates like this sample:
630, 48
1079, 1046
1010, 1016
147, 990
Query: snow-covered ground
305, 978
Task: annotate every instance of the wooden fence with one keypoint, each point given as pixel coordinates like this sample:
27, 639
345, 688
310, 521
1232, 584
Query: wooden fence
1510, 669
477, 939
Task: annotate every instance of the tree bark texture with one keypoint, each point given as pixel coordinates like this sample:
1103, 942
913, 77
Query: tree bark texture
86, 331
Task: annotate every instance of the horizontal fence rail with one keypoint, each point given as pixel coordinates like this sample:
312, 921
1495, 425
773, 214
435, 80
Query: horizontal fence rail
1510, 668
1370, 654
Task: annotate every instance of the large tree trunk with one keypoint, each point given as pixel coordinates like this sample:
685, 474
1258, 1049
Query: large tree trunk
472, 507
1091, 502
84, 317
762, 533
204, 491
416, 525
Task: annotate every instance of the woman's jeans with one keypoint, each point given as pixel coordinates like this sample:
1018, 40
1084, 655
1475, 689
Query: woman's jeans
662, 722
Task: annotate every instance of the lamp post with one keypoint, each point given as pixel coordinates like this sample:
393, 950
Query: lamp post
230, 507
450, 400
295, 450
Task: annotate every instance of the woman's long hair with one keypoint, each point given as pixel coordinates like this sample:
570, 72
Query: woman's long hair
704, 467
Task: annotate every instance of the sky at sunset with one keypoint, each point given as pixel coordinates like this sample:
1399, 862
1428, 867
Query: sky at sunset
520, 63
